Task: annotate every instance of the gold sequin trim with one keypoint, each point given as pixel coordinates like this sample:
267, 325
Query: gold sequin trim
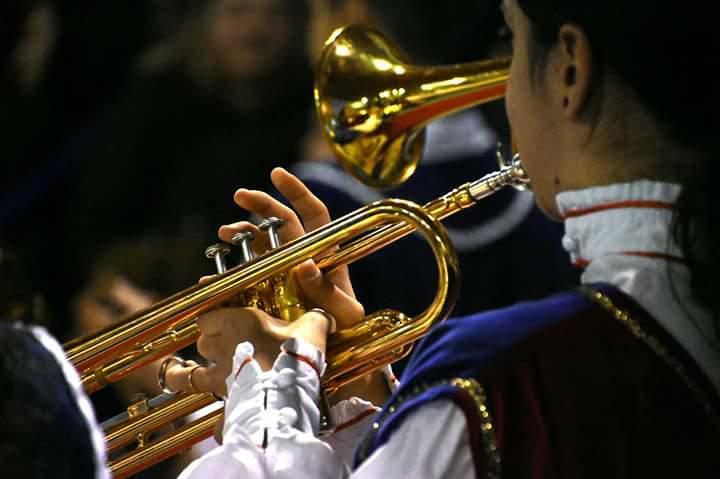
657, 347
476, 392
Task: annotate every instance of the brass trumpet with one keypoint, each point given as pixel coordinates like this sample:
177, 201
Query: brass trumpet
372, 105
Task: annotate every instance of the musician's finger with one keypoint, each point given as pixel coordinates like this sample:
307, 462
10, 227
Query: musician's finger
210, 347
219, 351
191, 378
312, 211
260, 243
208, 379
212, 323
265, 206
312, 327
321, 292
217, 341
175, 377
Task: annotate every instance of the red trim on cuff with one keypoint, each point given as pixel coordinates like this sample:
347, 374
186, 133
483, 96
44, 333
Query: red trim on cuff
242, 365
356, 419
581, 263
305, 360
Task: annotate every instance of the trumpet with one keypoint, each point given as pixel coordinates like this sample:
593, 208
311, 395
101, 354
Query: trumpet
372, 105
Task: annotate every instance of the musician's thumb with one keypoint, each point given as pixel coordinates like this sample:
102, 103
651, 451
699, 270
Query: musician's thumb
312, 327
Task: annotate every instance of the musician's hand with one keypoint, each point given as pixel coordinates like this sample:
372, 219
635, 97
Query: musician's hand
221, 330
333, 292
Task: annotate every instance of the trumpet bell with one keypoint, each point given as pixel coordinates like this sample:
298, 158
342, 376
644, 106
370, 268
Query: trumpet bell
374, 105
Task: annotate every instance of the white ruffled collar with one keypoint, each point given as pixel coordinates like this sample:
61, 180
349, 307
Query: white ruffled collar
621, 235
632, 217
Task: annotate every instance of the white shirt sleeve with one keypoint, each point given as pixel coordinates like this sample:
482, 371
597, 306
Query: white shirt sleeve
353, 418
271, 422
431, 443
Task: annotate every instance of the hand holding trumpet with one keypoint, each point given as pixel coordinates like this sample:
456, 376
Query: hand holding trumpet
222, 329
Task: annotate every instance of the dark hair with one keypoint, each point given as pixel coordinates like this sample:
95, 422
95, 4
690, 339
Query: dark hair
42, 431
161, 265
662, 51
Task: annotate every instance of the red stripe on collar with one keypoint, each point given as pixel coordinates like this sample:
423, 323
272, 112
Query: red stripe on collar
584, 263
616, 205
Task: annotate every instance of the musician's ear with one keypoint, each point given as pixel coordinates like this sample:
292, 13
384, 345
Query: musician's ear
574, 68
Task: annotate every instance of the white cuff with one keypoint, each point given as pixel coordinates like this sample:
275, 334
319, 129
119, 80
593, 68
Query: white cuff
261, 404
353, 418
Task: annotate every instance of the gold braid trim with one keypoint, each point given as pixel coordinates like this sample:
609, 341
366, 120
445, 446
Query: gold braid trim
656, 346
476, 392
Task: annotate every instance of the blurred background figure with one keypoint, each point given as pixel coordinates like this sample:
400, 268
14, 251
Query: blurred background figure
129, 116
132, 275
39, 399
212, 108
71, 59
508, 249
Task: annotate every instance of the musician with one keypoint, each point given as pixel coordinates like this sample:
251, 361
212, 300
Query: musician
506, 235
228, 89
617, 379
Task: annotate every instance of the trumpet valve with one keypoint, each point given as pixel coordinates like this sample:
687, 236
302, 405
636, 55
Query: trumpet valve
218, 252
252, 297
244, 240
271, 226
285, 299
